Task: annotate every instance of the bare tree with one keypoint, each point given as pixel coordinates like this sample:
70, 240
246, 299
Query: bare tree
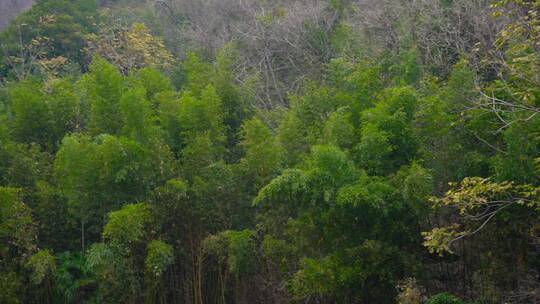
283, 42
440, 30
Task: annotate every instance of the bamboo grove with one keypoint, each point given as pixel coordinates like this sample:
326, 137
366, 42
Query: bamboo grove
270, 152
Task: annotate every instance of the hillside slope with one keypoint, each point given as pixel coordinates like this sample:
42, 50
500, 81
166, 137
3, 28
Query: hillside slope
11, 8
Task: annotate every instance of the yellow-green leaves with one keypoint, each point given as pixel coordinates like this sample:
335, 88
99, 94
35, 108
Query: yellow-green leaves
373, 150
128, 225
130, 48
101, 90
238, 249
478, 201
17, 229
439, 240
263, 154
43, 266
158, 258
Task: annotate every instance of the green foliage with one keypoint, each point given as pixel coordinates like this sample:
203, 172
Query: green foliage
234, 97
17, 229
408, 68
416, 184
23, 165
152, 81
84, 165
100, 174
461, 85
193, 190
137, 117
17, 243
43, 112
439, 143
30, 113
72, 276
41, 33
313, 108
242, 257
196, 73
10, 288
64, 106
336, 273
393, 115
522, 148
322, 204
128, 225
117, 282
472, 197
238, 249
129, 47
373, 151
338, 130
410, 292
279, 251
292, 179
102, 89
263, 158
43, 266
444, 298
293, 138
199, 153
168, 114
358, 83
316, 277
518, 40
199, 115
159, 258
330, 168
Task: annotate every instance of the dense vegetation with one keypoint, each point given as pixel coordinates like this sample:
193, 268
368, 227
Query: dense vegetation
271, 152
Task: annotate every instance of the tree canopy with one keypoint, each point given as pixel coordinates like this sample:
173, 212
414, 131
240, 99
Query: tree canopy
243, 151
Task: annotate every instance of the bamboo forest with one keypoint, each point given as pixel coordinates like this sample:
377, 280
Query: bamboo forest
270, 151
